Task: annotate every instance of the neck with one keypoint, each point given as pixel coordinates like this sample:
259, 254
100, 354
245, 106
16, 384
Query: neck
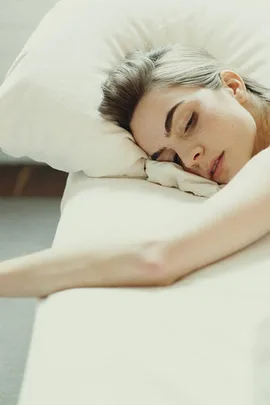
261, 114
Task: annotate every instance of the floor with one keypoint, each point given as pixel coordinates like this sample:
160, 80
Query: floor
26, 225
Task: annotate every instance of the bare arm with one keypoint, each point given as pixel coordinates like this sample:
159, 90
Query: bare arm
234, 218
43, 273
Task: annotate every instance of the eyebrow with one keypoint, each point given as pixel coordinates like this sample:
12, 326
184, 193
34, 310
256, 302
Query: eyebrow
169, 118
168, 127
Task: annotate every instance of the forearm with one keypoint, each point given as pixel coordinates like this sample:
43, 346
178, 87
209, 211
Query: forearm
38, 274
43, 273
235, 217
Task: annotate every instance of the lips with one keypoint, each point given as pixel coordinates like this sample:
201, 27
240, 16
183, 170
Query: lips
214, 165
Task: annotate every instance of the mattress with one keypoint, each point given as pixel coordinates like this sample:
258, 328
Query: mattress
203, 341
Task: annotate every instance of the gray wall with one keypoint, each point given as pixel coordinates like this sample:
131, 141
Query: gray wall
18, 19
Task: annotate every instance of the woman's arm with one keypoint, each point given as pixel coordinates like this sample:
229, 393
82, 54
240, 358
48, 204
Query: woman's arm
43, 273
235, 217
232, 219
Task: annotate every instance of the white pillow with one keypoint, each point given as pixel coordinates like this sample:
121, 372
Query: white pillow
49, 99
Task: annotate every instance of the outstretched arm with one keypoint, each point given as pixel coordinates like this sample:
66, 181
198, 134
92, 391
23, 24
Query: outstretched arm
232, 219
235, 217
43, 273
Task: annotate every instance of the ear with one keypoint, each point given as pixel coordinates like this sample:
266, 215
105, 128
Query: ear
233, 82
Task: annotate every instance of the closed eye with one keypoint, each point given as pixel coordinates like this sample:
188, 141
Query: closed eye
177, 160
157, 155
192, 121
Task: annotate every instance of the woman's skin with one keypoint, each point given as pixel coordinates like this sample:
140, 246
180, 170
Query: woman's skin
228, 120
204, 125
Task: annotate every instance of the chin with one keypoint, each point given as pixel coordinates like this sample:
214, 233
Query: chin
223, 183
224, 178
232, 174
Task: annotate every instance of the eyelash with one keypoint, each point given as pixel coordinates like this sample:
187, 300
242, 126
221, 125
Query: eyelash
177, 159
191, 124
192, 121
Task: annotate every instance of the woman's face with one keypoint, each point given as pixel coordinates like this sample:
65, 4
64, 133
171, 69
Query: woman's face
211, 131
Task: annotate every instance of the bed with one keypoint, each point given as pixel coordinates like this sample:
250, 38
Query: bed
204, 340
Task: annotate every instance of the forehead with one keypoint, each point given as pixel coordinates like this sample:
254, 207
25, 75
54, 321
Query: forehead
149, 117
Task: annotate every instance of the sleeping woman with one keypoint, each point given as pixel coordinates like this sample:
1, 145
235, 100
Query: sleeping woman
184, 106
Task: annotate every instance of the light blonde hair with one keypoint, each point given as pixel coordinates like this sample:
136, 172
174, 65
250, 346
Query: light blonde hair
163, 67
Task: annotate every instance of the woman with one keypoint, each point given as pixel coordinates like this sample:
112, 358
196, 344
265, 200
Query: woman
181, 105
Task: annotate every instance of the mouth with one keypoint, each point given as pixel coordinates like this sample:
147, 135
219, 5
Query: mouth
216, 167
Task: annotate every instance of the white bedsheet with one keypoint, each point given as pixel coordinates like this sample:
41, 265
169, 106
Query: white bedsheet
203, 341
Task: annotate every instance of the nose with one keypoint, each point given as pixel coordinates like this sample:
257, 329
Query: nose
192, 157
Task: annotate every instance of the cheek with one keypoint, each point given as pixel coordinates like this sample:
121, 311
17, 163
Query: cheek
210, 129
226, 127
241, 130
248, 122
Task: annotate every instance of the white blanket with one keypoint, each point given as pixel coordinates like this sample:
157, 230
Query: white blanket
203, 341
